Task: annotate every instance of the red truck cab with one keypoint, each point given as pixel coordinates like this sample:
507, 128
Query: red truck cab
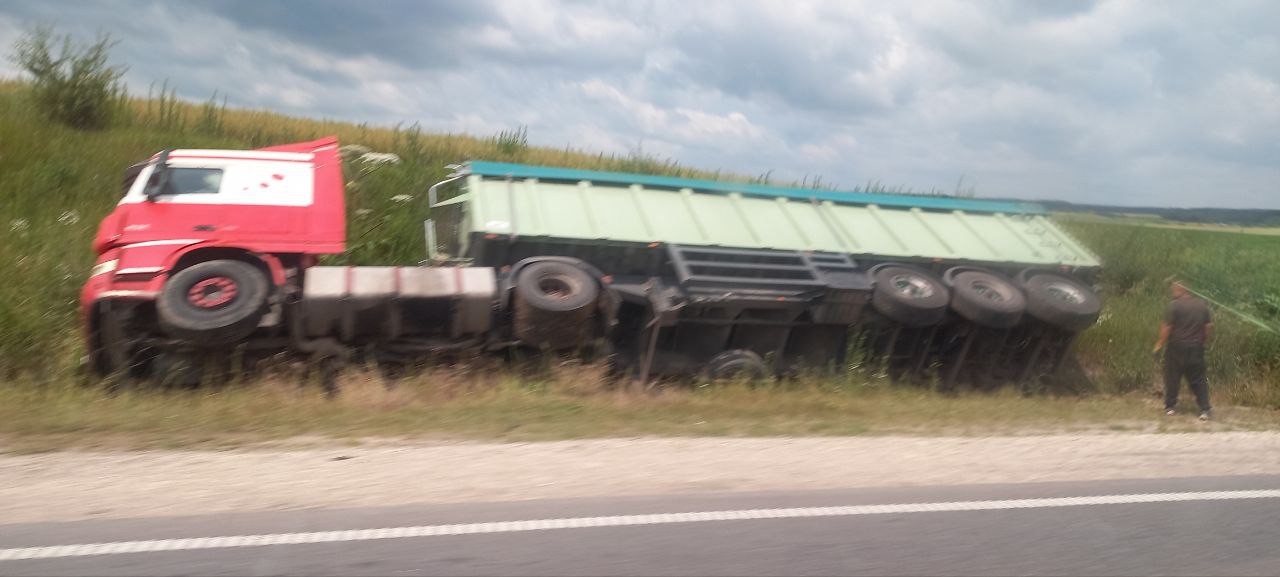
273, 209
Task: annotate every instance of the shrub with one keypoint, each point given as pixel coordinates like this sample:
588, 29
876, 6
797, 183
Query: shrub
77, 87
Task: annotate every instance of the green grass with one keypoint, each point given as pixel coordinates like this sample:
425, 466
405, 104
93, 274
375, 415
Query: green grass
1154, 221
57, 183
1238, 269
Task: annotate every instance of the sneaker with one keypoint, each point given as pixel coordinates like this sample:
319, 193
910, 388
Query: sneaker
1204, 416
1170, 412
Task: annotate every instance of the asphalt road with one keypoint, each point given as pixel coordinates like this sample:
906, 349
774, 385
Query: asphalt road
1196, 526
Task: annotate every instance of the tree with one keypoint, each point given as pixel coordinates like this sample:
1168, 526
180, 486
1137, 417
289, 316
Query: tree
77, 86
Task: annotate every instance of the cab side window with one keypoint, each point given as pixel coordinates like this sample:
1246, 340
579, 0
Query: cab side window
178, 180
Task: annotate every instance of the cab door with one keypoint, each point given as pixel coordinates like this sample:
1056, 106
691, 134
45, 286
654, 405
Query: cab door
269, 200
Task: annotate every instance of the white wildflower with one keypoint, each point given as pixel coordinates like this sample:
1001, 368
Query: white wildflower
401, 198
69, 218
379, 158
18, 225
354, 151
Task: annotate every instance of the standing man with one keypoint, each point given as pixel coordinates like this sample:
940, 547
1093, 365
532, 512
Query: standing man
1186, 329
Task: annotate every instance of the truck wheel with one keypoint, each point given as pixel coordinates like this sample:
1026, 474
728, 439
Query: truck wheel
909, 297
185, 369
736, 364
114, 348
987, 299
213, 303
554, 305
1062, 302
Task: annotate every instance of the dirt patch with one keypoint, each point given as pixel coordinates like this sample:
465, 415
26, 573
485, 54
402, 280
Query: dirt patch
85, 485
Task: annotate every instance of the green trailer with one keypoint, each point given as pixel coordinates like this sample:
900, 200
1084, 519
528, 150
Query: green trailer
516, 201
722, 278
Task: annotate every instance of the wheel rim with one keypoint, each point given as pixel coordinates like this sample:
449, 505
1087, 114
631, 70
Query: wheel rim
212, 292
557, 287
1065, 293
912, 286
990, 291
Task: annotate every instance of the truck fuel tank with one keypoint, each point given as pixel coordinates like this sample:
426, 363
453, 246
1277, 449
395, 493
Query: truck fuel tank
355, 303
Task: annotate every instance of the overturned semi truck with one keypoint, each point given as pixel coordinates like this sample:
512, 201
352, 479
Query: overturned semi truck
211, 251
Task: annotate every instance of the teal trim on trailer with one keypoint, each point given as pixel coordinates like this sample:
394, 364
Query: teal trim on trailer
520, 171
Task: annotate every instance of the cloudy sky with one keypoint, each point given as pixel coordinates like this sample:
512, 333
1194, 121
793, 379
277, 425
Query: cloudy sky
1120, 102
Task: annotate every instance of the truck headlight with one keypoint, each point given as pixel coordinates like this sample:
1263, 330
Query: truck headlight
104, 267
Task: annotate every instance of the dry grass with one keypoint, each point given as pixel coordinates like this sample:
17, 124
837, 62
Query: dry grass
560, 402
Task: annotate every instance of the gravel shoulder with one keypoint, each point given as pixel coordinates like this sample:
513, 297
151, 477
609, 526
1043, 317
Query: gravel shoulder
68, 486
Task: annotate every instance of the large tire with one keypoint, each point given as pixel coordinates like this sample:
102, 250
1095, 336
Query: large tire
187, 369
213, 303
736, 364
910, 297
987, 299
114, 350
1062, 302
554, 305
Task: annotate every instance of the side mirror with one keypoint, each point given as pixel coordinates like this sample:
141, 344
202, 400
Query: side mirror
159, 179
155, 184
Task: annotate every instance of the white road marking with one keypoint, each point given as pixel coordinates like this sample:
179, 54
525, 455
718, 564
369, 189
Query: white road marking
196, 543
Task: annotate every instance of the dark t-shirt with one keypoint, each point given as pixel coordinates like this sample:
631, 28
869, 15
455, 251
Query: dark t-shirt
1187, 316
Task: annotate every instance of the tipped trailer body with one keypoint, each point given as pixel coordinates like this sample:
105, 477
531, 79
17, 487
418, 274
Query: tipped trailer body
214, 250
564, 205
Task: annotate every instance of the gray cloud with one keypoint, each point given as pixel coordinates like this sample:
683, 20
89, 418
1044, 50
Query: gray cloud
379, 29
1108, 101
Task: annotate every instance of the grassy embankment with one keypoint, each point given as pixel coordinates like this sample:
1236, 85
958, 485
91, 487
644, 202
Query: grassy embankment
1155, 221
56, 183
570, 402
